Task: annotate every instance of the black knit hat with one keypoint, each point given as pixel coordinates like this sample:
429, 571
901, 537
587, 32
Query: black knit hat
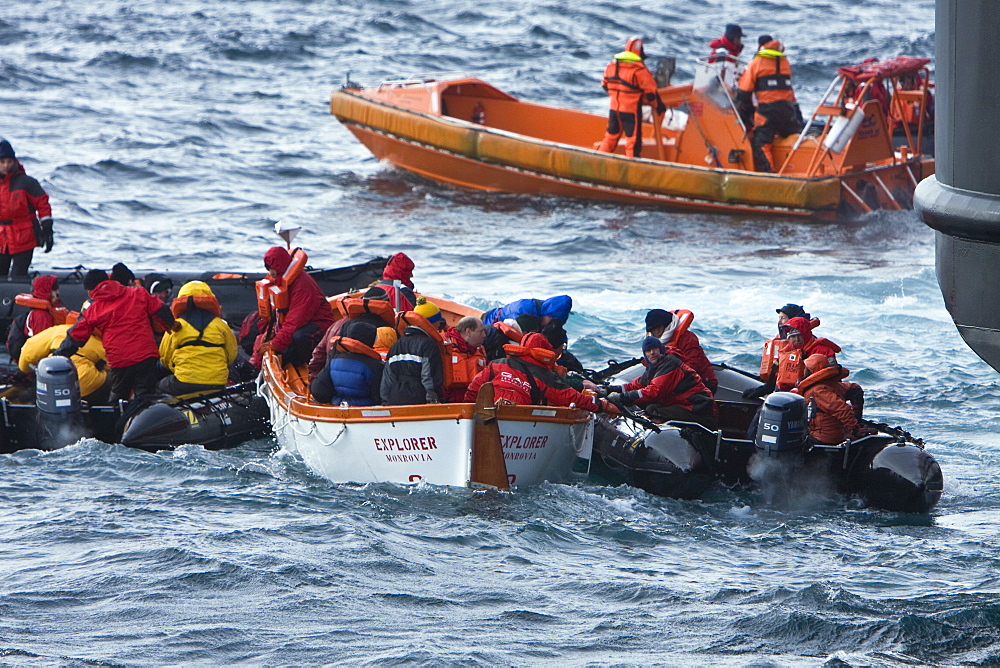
93, 278
6, 150
122, 274
733, 32
763, 39
528, 323
658, 318
793, 311
157, 283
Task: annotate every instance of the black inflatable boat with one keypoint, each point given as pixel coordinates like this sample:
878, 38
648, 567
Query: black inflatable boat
888, 469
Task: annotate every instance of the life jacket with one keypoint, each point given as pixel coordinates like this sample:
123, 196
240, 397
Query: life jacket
207, 302
546, 357
684, 320
768, 358
58, 312
351, 307
272, 294
791, 368
509, 331
459, 367
349, 345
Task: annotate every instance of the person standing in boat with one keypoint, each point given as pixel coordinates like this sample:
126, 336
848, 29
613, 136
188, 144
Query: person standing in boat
729, 46
671, 331
353, 371
769, 77
25, 215
629, 85
122, 314
527, 376
306, 319
198, 354
669, 389
398, 268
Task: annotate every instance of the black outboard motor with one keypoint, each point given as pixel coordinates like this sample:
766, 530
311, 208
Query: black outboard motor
57, 396
782, 426
780, 440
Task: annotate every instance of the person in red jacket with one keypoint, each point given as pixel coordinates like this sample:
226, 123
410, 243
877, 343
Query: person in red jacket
527, 377
398, 268
122, 314
662, 324
729, 46
835, 420
629, 85
45, 288
669, 389
309, 314
25, 215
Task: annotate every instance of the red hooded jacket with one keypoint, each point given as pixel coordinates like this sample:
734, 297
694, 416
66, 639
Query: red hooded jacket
835, 419
122, 315
811, 344
523, 379
306, 301
22, 200
41, 319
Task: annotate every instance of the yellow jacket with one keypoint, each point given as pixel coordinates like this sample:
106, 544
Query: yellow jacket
47, 341
205, 346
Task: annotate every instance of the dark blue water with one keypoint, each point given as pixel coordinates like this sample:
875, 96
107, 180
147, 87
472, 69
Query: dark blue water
174, 135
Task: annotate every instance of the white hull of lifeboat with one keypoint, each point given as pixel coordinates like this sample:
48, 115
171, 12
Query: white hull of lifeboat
431, 444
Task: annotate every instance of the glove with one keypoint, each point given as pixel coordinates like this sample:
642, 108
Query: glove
865, 431
610, 409
47, 239
100, 364
177, 326
614, 398
757, 392
660, 107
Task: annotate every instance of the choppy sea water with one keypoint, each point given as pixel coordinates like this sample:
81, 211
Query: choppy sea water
173, 136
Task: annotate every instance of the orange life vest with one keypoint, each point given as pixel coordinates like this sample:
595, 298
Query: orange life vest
351, 307
459, 368
207, 302
58, 312
685, 318
791, 368
546, 357
510, 332
350, 345
272, 294
768, 358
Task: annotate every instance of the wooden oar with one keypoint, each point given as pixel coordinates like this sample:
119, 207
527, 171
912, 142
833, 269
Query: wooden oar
489, 469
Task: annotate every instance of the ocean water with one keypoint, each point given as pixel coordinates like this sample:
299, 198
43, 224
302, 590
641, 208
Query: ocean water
174, 135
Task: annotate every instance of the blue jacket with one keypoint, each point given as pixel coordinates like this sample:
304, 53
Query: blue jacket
557, 307
351, 377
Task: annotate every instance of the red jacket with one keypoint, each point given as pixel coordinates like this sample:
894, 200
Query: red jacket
835, 419
306, 303
721, 44
671, 383
694, 356
521, 379
122, 316
41, 319
22, 201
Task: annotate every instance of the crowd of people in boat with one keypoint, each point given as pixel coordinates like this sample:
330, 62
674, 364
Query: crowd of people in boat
766, 78
389, 346
130, 339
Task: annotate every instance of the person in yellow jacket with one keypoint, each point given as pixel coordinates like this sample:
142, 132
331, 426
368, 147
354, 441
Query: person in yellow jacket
198, 354
89, 360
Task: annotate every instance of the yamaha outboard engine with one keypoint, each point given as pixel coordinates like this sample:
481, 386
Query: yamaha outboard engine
780, 439
782, 426
57, 396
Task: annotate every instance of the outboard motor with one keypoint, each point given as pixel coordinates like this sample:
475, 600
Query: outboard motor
782, 426
780, 439
57, 396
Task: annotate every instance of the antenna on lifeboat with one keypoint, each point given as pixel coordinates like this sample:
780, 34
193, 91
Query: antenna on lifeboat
287, 231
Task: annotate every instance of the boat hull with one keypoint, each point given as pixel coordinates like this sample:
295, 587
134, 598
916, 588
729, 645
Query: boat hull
412, 444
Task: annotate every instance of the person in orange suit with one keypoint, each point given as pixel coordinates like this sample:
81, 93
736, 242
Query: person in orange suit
769, 77
629, 85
